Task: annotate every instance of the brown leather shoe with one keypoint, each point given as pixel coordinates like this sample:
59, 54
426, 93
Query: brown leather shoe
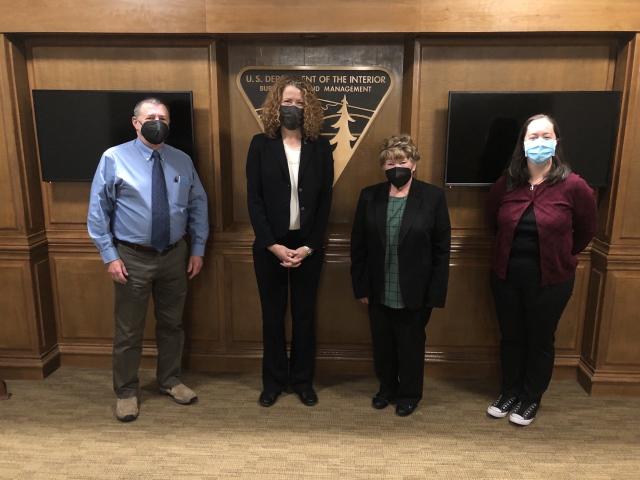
127, 409
181, 394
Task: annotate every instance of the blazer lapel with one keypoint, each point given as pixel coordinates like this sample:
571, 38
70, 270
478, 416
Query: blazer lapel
411, 210
381, 200
277, 148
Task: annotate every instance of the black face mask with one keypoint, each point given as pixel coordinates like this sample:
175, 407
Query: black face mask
155, 131
291, 116
398, 176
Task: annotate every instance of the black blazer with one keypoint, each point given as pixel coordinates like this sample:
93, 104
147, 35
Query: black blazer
269, 190
423, 251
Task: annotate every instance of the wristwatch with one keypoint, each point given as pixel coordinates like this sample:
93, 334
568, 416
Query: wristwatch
309, 250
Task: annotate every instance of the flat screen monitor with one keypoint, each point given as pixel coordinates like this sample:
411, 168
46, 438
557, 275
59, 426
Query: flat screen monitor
483, 129
74, 127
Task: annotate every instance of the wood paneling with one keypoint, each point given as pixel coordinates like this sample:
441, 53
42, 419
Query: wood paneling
28, 343
622, 320
16, 307
271, 16
252, 16
118, 16
84, 300
342, 323
203, 317
245, 318
628, 224
468, 324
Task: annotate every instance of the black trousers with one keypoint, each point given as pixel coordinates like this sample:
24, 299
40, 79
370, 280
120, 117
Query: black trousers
398, 350
528, 315
274, 284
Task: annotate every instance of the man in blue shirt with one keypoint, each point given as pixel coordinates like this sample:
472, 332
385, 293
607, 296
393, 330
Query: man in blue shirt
145, 197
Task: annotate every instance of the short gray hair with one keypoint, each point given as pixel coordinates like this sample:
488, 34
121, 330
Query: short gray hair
151, 100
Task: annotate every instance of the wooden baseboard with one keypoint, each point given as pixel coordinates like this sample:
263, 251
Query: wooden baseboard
338, 364
30, 368
608, 382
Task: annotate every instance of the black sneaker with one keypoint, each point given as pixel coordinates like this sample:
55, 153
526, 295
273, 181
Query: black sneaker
502, 406
524, 413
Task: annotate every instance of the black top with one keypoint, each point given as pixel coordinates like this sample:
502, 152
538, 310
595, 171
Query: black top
525, 239
525, 248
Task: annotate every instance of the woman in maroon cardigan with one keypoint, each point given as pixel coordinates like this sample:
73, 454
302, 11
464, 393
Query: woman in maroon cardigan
543, 216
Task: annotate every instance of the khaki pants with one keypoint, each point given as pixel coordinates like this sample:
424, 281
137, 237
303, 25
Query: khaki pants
165, 277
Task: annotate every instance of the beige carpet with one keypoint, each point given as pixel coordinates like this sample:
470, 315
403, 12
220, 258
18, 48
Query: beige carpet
63, 428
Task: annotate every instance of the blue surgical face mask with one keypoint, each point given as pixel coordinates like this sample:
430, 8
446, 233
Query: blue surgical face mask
540, 150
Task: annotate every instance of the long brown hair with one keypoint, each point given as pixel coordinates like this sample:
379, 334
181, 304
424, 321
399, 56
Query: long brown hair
518, 173
270, 114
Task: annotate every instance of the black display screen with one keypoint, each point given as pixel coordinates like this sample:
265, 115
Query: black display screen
74, 127
483, 130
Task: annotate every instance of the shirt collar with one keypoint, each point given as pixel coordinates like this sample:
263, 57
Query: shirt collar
146, 151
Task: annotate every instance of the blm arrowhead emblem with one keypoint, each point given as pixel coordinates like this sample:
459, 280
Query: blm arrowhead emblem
351, 97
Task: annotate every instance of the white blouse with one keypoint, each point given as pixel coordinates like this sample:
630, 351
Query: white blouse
293, 161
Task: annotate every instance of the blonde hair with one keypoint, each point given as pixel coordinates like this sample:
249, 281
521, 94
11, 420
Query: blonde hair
398, 147
270, 114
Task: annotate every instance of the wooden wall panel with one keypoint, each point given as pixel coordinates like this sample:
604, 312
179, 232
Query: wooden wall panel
245, 319
84, 300
569, 332
342, 322
252, 16
203, 318
26, 309
627, 223
119, 66
8, 207
269, 16
591, 330
622, 317
16, 307
118, 16
11, 201
468, 324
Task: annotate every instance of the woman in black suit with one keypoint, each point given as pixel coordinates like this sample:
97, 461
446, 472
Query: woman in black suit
400, 267
289, 186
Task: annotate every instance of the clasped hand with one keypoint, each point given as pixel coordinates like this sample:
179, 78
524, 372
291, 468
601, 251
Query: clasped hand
288, 258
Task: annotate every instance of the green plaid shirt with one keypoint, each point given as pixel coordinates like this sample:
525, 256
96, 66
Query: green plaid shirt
392, 296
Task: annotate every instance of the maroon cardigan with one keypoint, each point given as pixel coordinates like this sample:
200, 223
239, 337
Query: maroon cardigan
565, 216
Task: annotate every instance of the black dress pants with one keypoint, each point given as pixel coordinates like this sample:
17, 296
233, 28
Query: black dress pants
398, 350
528, 315
274, 284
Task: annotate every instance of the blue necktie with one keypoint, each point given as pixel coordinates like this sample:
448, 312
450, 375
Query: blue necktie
159, 206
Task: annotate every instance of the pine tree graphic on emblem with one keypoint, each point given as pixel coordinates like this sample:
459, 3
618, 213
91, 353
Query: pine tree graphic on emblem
343, 138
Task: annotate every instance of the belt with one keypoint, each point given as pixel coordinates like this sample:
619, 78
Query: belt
146, 248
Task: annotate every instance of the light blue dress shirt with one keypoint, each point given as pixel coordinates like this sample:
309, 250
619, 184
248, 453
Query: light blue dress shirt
120, 202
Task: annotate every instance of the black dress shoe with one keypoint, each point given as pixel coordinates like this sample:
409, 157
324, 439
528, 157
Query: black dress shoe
267, 399
380, 401
405, 409
308, 397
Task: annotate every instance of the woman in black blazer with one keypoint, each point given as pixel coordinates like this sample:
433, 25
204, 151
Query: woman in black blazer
400, 267
289, 186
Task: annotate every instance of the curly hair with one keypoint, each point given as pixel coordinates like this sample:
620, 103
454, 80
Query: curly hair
270, 114
517, 172
398, 147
